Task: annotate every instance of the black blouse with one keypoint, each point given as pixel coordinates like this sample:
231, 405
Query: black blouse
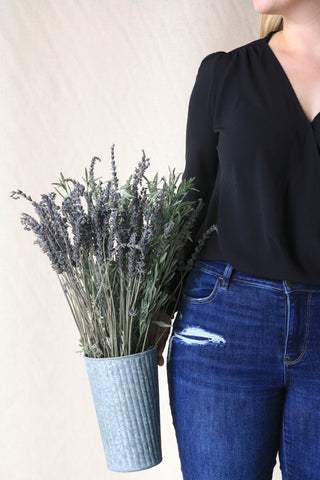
255, 157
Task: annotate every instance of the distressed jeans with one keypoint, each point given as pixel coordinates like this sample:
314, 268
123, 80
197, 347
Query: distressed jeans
243, 370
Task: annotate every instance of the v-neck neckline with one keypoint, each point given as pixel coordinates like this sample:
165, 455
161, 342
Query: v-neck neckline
286, 79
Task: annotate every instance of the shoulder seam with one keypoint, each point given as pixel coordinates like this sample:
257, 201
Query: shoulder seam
208, 67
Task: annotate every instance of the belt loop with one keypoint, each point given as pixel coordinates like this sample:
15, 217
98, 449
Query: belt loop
226, 276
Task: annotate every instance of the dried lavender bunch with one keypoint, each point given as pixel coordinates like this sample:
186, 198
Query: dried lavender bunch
115, 251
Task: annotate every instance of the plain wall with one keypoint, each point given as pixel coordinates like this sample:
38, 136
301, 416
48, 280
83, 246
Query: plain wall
76, 77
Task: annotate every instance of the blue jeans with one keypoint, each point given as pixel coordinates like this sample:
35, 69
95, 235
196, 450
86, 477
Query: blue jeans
243, 370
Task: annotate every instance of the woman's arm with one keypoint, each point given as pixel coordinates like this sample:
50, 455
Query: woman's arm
201, 157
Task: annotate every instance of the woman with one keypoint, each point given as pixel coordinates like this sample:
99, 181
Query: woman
243, 360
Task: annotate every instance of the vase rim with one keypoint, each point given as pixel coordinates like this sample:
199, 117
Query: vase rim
150, 349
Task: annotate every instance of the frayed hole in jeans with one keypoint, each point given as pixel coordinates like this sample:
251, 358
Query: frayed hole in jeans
198, 336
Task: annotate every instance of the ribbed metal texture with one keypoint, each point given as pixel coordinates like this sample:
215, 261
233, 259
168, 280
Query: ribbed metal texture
125, 391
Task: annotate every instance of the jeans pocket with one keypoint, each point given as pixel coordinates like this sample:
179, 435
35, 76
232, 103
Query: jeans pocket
201, 285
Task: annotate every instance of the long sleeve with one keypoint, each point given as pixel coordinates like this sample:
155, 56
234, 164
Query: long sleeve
201, 158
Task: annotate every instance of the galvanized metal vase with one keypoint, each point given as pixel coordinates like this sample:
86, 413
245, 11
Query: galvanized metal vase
125, 391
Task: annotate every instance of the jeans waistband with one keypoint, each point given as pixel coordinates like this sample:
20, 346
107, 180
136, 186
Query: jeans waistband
227, 271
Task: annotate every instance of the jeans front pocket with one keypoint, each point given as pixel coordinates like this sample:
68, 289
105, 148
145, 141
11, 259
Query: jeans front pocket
201, 285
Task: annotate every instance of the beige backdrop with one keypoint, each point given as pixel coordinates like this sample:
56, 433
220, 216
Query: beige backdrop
77, 76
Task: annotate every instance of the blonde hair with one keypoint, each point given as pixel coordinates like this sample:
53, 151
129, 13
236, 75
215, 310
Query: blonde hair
268, 23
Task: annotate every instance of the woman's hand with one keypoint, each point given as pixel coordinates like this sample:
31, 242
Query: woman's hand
159, 335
